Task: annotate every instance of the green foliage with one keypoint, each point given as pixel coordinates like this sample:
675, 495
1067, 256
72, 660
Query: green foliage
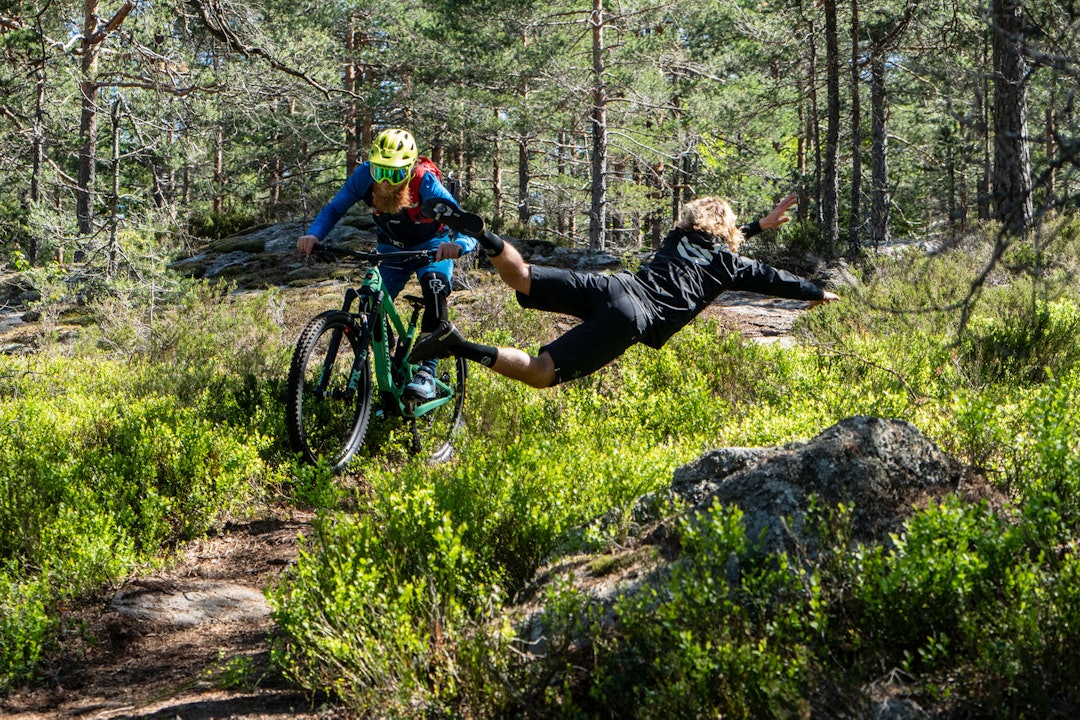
724, 635
134, 471
316, 486
108, 460
922, 603
374, 621
1025, 343
224, 352
26, 626
964, 604
239, 672
215, 226
795, 239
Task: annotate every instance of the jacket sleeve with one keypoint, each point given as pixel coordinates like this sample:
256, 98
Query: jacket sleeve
430, 187
752, 229
754, 276
355, 187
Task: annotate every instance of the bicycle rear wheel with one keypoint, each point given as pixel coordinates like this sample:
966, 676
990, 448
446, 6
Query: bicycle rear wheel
329, 391
433, 431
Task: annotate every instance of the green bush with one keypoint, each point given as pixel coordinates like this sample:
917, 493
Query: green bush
375, 622
109, 460
725, 635
1026, 342
215, 226
26, 626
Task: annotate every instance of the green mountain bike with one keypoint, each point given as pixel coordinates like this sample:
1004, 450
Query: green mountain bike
350, 366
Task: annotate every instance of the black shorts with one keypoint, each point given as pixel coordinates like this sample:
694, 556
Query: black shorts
613, 320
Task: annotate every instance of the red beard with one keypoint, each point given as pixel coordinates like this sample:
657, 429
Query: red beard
390, 199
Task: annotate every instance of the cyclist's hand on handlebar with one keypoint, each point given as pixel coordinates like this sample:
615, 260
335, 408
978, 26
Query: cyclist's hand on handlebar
448, 251
306, 243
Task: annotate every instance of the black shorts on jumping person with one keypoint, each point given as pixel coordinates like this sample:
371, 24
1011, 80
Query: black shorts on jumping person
613, 319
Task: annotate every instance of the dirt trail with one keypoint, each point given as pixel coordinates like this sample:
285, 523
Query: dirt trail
188, 643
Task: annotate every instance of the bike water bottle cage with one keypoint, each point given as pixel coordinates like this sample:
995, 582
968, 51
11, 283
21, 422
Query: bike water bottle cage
394, 176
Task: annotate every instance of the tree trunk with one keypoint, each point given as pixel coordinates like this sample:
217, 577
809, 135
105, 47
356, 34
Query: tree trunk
678, 181
523, 179
855, 219
813, 129
88, 121
93, 35
350, 80
496, 178
1012, 155
985, 191
219, 170
1050, 181
879, 152
112, 253
800, 161
830, 190
37, 149
562, 165
598, 204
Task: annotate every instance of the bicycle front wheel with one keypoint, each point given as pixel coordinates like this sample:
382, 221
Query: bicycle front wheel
329, 402
434, 428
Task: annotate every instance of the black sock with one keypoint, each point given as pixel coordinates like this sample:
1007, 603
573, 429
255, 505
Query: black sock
483, 354
492, 243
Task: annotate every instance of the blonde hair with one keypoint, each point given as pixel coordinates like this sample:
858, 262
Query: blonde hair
713, 216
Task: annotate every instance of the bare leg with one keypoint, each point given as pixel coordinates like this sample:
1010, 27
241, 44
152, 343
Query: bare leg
513, 269
515, 364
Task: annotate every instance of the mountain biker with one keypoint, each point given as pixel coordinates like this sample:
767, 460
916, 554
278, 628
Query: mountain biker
393, 182
697, 261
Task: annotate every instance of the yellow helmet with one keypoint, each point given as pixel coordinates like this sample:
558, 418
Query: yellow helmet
393, 148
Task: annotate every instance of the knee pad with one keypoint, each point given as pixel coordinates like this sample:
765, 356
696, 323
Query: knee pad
436, 288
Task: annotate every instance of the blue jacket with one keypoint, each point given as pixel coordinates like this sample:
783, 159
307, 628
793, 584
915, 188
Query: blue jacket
405, 229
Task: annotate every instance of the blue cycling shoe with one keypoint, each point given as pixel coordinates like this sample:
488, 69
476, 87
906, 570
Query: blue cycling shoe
422, 386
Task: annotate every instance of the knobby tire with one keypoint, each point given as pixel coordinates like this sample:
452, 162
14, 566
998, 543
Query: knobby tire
329, 424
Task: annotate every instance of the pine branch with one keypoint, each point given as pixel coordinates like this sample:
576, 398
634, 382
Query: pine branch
215, 22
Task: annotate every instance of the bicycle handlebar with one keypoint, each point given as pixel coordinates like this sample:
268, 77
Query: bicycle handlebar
375, 257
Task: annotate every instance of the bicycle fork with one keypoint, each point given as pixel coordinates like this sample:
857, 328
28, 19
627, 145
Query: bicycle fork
331, 355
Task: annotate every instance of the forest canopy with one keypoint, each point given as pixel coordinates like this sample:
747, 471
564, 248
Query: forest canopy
580, 122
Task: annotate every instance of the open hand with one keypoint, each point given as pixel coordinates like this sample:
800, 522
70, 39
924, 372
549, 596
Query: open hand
778, 215
828, 298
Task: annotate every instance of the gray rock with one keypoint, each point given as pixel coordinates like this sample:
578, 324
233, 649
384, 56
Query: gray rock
882, 469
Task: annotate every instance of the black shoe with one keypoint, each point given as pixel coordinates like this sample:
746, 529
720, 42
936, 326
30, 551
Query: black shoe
452, 216
436, 344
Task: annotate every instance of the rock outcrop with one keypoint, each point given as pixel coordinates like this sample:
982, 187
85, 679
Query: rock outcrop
883, 470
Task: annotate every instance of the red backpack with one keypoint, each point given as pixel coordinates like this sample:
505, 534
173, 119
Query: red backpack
423, 166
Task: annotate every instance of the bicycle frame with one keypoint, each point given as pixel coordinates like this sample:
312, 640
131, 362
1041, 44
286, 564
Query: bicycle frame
374, 305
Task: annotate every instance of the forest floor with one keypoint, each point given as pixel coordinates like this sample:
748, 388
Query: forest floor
193, 641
